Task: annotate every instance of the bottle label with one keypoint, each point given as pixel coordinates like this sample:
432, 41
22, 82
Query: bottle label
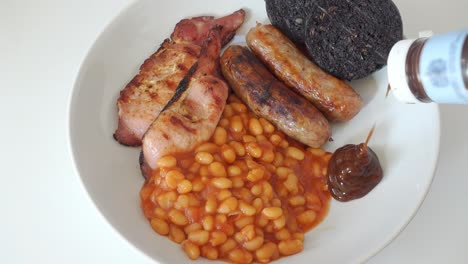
440, 68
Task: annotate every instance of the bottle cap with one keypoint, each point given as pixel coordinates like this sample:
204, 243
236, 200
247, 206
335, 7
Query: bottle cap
396, 70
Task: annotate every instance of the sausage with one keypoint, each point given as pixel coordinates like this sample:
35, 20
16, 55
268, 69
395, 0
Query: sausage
336, 99
270, 98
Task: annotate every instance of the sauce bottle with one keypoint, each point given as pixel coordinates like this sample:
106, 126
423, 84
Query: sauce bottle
432, 69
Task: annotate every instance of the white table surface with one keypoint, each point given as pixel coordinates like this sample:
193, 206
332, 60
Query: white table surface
45, 215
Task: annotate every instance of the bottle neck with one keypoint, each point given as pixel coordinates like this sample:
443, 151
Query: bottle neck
412, 70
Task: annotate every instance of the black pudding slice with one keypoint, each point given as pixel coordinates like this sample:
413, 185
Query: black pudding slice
352, 39
289, 16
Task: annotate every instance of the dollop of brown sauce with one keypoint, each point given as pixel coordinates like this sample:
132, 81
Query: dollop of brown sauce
353, 171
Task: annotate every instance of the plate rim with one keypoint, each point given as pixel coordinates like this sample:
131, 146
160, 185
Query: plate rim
73, 157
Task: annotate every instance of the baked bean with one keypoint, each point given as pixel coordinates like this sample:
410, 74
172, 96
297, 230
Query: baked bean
295, 153
281, 190
220, 203
279, 222
176, 234
160, 213
247, 233
194, 168
190, 176
255, 128
167, 162
193, 201
292, 225
238, 148
177, 217
267, 126
283, 234
239, 107
192, 250
182, 202
207, 147
192, 227
312, 199
228, 205
324, 171
316, 169
269, 228
242, 164
234, 170
255, 175
173, 178
145, 192
237, 182
224, 122
258, 204
208, 222
254, 149
244, 194
224, 194
268, 156
222, 183
265, 252
221, 219
297, 200
246, 208
244, 221
276, 139
272, 213
184, 186
248, 139
211, 205
236, 124
240, 256
278, 161
199, 237
160, 226
217, 238
220, 136
251, 164
228, 154
307, 217
166, 201
253, 244
229, 245
317, 152
290, 247
228, 229
276, 202
283, 172
261, 221
291, 183
197, 185
204, 171
256, 189
299, 236
284, 143
228, 111
267, 190
209, 252
261, 139
203, 157
217, 169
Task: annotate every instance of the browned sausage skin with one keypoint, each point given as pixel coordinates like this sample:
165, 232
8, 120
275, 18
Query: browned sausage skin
336, 99
271, 99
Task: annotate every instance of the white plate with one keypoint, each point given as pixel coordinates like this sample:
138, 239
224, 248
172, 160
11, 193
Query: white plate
406, 141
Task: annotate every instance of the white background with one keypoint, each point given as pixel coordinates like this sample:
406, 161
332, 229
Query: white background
45, 215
